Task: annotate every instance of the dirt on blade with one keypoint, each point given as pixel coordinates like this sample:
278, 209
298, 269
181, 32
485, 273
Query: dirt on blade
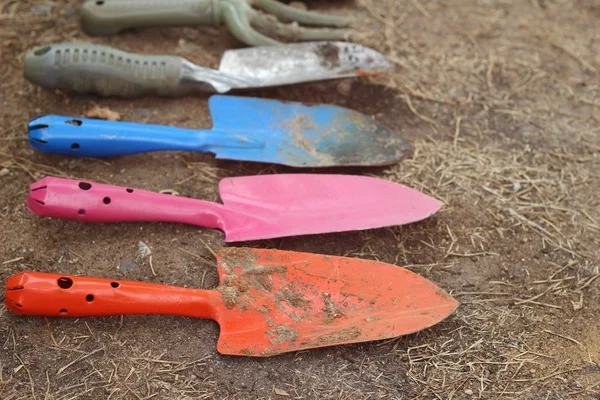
501, 101
349, 333
329, 55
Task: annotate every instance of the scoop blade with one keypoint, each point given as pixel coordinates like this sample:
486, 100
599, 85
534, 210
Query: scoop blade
302, 62
282, 301
306, 204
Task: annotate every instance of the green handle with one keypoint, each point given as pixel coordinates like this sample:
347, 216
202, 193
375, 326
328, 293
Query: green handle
109, 17
93, 69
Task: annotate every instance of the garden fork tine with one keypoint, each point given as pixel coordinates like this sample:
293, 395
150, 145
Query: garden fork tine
254, 22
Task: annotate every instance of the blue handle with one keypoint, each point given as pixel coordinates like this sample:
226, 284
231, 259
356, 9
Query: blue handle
83, 137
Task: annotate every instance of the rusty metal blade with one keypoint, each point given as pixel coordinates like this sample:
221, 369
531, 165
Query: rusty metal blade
301, 62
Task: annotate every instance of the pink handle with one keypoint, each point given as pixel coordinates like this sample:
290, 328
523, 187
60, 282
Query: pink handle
95, 202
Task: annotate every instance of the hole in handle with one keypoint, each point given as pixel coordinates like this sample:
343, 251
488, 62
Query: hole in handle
62, 310
106, 200
38, 126
81, 212
89, 298
114, 284
85, 186
42, 51
75, 146
65, 282
74, 122
99, 2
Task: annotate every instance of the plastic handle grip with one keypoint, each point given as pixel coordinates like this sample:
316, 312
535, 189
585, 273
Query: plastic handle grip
110, 17
100, 203
84, 137
94, 69
43, 294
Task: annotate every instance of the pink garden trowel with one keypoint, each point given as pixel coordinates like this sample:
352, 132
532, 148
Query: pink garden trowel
254, 207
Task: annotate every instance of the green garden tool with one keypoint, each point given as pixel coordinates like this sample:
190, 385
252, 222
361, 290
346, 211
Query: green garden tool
250, 21
88, 68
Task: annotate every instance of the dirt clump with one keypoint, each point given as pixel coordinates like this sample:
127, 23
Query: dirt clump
329, 55
336, 337
282, 334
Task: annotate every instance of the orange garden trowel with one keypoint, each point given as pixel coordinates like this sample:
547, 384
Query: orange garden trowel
268, 302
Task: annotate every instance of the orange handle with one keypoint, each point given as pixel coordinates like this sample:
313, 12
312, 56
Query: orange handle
42, 294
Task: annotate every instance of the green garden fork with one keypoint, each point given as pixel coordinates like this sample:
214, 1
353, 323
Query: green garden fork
250, 21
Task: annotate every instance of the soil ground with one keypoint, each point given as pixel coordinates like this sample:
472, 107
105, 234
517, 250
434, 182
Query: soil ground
501, 100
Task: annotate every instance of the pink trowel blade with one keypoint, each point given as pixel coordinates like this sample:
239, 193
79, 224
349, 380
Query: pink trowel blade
254, 207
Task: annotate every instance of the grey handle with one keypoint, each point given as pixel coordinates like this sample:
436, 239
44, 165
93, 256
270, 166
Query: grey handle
93, 69
108, 17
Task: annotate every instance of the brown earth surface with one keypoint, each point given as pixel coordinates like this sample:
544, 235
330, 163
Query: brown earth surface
501, 100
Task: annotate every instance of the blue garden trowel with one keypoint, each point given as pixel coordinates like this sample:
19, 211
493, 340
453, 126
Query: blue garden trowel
245, 129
